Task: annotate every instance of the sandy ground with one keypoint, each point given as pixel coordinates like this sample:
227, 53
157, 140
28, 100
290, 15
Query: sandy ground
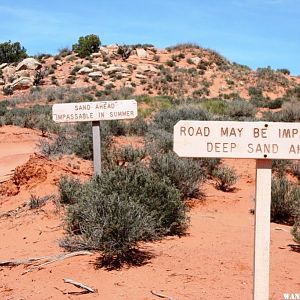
15, 148
214, 261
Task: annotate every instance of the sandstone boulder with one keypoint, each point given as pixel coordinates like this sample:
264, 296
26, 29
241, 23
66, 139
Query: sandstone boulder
22, 83
114, 69
29, 64
85, 70
140, 76
141, 53
95, 74
146, 68
196, 60
2, 66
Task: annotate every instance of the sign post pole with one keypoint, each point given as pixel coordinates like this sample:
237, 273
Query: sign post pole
96, 147
262, 229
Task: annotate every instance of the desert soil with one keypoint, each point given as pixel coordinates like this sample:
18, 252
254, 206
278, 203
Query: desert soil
213, 261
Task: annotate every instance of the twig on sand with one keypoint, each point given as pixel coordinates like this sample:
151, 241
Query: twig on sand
161, 295
47, 260
14, 212
57, 258
80, 285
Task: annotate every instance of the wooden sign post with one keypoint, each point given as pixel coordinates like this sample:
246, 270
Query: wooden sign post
94, 112
262, 141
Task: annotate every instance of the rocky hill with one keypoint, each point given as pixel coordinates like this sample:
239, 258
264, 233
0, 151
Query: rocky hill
183, 71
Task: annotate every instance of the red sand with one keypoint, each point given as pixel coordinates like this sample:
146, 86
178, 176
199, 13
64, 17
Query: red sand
214, 261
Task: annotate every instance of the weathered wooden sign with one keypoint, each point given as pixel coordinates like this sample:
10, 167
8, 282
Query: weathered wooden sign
263, 141
94, 112
268, 140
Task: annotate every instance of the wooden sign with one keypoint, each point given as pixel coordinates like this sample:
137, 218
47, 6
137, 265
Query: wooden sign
94, 111
266, 140
263, 141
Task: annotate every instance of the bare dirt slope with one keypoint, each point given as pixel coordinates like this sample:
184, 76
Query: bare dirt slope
16, 145
214, 261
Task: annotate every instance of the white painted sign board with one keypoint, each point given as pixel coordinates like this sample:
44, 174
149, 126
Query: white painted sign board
266, 140
94, 111
263, 141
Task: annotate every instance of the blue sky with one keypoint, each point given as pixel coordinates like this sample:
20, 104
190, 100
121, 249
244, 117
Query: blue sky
257, 33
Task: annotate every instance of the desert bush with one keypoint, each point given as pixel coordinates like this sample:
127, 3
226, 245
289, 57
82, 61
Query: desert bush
183, 46
159, 140
63, 52
296, 231
225, 178
137, 126
124, 51
60, 145
280, 166
240, 109
38, 78
122, 207
284, 71
295, 169
128, 154
11, 52
170, 63
38, 116
7, 90
274, 104
87, 45
167, 118
184, 173
3, 108
37, 202
69, 189
290, 113
285, 204
218, 107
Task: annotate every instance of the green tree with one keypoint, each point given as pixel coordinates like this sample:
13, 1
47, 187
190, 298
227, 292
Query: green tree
87, 45
11, 52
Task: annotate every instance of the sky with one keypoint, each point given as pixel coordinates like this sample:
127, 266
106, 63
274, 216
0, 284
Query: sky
256, 33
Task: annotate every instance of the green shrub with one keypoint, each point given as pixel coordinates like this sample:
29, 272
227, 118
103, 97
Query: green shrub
218, 107
87, 45
170, 63
185, 173
225, 178
284, 71
122, 207
11, 52
285, 205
